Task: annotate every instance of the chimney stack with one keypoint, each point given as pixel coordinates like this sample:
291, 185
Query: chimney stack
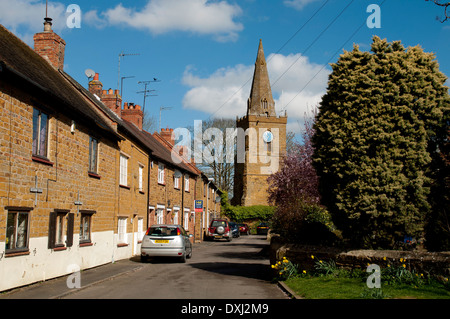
95, 86
50, 46
113, 100
133, 113
167, 135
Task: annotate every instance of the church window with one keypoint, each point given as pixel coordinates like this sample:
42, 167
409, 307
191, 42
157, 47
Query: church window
264, 104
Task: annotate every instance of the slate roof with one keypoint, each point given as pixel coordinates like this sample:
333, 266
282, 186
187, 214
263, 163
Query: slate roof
19, 61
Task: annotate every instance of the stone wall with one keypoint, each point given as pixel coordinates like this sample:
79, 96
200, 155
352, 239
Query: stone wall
435, 263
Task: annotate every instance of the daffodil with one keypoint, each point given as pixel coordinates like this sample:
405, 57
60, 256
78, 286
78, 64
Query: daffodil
384, 258
304, 271
404, 266
312, 256
285, 261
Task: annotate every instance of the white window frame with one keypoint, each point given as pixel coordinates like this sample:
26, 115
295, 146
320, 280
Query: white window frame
186, 183
186, 219
176, 180
40, 133
123, 170
176, 211
122, 230
141, 177
161, 174
159, 215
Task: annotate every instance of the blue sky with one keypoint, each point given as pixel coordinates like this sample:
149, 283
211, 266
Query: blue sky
203, 51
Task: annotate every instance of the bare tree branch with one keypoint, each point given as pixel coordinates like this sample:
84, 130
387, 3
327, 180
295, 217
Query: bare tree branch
445, 5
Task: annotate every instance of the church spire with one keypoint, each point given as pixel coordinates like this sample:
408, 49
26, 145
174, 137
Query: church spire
261, 101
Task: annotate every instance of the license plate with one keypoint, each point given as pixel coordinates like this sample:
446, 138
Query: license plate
217, 236
161, 241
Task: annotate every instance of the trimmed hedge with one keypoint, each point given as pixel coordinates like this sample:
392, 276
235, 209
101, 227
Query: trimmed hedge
241, 213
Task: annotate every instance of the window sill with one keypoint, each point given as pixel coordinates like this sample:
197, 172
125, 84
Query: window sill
122, 245
141, 192
41, 160
60, 248
86, 244
162, 184
94, 175
17, 253
124, 186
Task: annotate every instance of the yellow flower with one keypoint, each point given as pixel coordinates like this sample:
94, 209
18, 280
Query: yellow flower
401, 260
389, 266
284, 258
320, 261
312, 256
404, 266
280, 273
304, 271
421, 275
285, 261
384, 258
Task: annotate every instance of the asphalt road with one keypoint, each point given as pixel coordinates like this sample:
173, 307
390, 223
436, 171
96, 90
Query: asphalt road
238, 269
217, 270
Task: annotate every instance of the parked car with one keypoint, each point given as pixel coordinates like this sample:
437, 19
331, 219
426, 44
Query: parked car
220, 228
166, 241
262, 229
244, 229
234, 229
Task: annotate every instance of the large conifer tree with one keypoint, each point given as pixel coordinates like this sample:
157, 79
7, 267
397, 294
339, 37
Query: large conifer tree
377, 131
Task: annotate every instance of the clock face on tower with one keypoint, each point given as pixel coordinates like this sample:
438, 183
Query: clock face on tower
268, 136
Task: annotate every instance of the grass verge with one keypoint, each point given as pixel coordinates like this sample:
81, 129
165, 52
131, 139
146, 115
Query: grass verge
330, 287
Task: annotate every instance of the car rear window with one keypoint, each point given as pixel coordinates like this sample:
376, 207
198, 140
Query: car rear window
217, 223
163, 231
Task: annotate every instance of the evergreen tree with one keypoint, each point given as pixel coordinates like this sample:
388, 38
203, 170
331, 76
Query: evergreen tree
378, 129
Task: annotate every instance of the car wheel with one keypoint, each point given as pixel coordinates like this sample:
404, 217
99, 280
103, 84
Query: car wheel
183, 258
190, 254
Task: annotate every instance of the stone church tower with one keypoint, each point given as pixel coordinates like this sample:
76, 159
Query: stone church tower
265, 140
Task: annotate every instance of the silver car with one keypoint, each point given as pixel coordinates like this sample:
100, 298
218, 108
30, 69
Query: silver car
166, 241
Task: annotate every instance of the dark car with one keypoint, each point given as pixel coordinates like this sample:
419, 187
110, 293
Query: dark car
234, 229
218, 229
244, 229
262, 229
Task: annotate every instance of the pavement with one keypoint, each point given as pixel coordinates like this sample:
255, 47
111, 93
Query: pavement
58, 287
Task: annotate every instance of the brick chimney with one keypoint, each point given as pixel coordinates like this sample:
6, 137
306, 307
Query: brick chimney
50, 46
167, 135
133, 113
95, 86
113, 100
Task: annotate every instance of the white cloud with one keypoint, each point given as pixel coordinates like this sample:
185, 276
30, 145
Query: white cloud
298, 4
162, 16
26, 17
297, 85
224, 93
